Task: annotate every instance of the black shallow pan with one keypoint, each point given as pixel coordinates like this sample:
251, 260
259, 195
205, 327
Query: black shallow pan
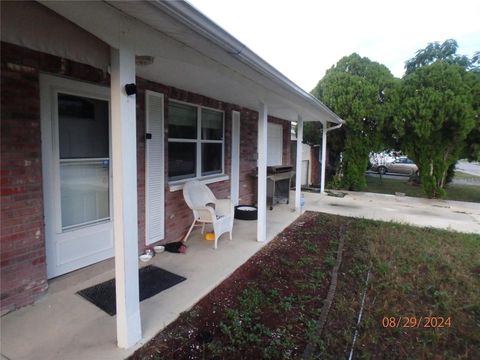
246, 212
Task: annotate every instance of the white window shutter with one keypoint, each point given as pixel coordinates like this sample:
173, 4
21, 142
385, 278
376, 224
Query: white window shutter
154, 168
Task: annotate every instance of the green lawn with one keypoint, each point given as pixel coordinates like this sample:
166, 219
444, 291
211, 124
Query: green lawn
464, 176
422, 299
419, 276
391, 186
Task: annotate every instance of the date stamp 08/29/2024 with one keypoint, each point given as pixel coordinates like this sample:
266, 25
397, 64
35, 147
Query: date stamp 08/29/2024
416, 322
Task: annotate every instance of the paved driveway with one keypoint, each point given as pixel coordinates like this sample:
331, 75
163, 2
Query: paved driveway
472, 168
452, 215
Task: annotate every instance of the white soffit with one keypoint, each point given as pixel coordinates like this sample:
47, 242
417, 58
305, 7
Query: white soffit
187, 59
33, 26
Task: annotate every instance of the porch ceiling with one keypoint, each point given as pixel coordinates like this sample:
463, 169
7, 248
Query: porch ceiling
193, 53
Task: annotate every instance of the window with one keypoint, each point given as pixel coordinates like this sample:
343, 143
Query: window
84, 159
195, 141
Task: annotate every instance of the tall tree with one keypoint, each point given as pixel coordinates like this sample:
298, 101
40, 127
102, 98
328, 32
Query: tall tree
436, 115
447, 51
472, 142
357, 89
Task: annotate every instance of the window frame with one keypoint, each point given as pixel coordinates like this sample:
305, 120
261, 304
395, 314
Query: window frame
198, 141
51, 161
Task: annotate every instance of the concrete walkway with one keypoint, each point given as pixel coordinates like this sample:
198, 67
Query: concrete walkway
63, 325
452, 215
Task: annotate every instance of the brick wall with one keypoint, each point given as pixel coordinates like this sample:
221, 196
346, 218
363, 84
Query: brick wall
22, 251
248, 159
178, 217
22, 242
22, 254
314, 152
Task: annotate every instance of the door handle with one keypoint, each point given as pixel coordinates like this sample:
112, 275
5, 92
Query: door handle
148, 136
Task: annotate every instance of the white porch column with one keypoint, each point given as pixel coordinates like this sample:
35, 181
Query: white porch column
324, 152
124, 168
262, 173
298, 172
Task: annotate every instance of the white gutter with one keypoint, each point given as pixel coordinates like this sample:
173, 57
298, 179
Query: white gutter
185, 13
335, 127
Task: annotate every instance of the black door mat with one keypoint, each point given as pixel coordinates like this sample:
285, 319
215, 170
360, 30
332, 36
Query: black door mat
152, 280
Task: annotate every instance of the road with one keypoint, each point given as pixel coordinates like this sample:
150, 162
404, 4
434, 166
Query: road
472, 168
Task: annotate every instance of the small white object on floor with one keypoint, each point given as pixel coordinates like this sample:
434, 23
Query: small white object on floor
145, 257
159, 248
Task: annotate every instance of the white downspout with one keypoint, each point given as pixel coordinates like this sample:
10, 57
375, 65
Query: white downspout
298, 172
324, 152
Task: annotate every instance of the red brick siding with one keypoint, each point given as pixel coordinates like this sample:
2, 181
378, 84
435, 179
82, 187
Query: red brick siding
248, 160
23, 268
314, 150
22, 251
178, 216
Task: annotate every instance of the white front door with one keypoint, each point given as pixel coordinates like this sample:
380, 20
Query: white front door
154, 168
76, 173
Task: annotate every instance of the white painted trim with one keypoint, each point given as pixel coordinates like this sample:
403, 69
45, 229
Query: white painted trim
198, 166
199, 141
262, 172
124, 165
298, 173
178, 185
195, 105
324, 152
160, 197
235, 163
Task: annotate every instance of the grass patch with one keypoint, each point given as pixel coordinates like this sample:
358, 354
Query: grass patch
460, 175
270, 307
415, 273
456, 192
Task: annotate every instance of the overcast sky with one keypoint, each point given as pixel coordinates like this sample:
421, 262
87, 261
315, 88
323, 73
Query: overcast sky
303, 38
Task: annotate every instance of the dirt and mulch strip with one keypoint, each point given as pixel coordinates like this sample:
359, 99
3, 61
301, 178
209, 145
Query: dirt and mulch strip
422, 300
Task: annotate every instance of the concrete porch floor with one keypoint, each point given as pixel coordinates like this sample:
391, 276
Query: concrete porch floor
63, 325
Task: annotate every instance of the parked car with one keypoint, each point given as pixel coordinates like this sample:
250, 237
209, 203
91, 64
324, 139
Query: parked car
382, 158
402, 165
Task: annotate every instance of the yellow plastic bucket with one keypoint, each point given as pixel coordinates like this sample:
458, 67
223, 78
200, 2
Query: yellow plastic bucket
209, 236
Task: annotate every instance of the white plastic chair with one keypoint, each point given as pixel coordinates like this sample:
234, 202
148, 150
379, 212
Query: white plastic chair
197, 196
